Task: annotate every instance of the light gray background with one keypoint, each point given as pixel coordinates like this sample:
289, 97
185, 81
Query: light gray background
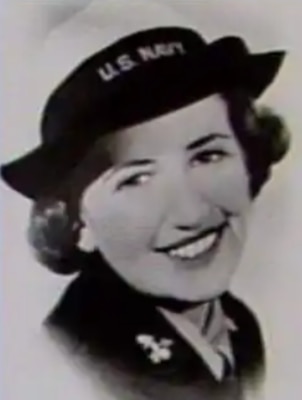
270, 278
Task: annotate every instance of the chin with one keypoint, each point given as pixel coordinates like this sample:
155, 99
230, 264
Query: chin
197, 298
203, 287
189, 293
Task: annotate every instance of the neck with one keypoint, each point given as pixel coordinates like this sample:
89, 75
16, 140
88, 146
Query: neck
201, 314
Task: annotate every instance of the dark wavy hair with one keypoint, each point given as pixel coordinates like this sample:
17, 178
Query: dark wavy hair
54, 228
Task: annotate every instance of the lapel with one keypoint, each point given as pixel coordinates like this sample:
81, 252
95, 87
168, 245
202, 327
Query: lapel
247, 340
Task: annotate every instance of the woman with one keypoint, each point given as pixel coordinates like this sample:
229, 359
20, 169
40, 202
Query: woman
154, 148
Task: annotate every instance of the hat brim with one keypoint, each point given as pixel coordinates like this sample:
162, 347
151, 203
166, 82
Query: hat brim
48, 164
262, 70
40, 169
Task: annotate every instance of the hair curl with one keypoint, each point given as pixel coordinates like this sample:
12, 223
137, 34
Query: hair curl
54, 228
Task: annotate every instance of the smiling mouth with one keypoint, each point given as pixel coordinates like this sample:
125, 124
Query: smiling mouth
197, 246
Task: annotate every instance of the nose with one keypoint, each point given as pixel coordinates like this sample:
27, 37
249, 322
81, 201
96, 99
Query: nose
190, 210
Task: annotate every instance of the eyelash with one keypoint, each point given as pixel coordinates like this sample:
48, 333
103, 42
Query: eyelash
206, 156
132, 181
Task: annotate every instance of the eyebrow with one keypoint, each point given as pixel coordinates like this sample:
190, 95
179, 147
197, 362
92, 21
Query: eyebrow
205, 140
138, 162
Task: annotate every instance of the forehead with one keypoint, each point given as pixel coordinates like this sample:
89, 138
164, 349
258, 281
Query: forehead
172, 131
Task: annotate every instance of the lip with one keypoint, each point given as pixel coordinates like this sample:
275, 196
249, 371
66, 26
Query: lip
184, 242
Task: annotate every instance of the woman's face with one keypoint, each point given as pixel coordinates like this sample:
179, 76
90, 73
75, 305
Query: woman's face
170, 215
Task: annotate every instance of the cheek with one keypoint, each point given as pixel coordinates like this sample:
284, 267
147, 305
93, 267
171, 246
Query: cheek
226, 186
125, 223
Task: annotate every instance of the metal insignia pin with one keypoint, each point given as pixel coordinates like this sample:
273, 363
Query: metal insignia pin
157, 351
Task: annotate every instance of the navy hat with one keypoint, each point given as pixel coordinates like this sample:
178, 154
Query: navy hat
139, 77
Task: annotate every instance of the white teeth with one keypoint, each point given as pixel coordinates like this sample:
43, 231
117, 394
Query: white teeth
191, 250
206, 242
194, 249
183, 252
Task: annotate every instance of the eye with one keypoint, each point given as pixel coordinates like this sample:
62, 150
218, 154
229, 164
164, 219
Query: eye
208, 157
138, 179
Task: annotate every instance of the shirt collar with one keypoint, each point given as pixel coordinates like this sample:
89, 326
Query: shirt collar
207, 330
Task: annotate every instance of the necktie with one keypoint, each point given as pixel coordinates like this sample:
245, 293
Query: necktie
228, 369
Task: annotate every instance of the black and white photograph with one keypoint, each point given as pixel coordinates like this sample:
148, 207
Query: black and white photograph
150, 177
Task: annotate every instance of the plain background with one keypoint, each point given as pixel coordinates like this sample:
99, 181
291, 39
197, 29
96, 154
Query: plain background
270, 277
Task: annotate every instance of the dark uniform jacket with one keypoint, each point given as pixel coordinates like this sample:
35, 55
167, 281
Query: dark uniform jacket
102, 318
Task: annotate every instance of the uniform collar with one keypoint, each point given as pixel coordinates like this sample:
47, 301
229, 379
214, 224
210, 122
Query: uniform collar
207, 330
